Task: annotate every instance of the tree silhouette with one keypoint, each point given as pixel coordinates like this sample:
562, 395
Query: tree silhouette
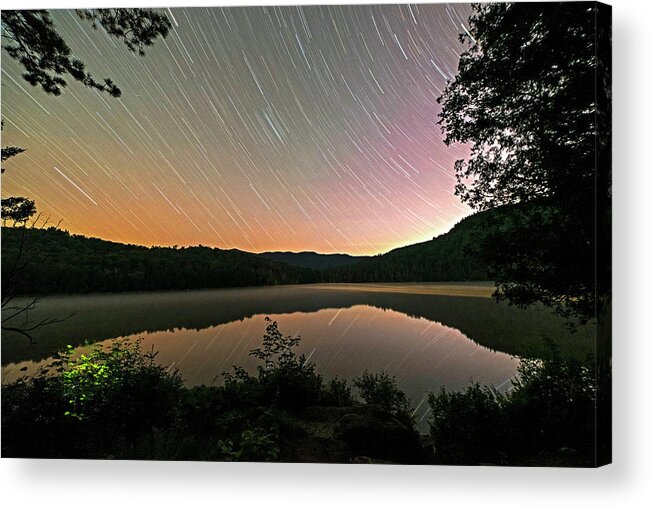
10, 151
18, 213
31, 38
18, 210
532, 99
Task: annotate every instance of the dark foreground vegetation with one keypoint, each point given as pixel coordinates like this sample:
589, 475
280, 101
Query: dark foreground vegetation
119, 403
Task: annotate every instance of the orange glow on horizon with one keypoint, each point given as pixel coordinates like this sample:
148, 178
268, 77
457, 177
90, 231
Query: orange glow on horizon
258, 137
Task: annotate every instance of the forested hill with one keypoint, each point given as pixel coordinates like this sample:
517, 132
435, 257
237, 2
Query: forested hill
58, 262
66, 263
313, 260
443, 258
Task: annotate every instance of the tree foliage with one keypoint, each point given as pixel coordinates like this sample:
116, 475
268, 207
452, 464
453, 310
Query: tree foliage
382, 389
68, 263
546, 418
443, 258
101, 266
95, 382
17, 210
31, 38
525, 99
286, 379
9, 152
136, 28
277, 349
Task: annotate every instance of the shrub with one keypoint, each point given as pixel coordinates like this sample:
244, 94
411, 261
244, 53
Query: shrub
467, 426
32, 420
120, 386
381, 389
253, 445
337, 393
91, 405
285, 380
555, 401
547, 418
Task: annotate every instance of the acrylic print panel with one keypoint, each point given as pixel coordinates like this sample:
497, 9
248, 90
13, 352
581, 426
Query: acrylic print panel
341, 234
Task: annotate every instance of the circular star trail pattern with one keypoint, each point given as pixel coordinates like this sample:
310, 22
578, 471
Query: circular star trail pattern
261, 128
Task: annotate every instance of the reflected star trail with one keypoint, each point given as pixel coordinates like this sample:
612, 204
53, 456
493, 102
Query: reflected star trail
261, 128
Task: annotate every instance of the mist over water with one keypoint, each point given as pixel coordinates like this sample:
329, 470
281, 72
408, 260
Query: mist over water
413, 331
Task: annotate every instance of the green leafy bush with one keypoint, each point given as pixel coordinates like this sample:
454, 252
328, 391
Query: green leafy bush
104, 399
120, 387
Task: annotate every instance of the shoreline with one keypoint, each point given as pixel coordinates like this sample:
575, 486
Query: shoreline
447, 288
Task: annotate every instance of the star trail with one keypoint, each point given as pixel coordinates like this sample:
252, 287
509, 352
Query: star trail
258, 128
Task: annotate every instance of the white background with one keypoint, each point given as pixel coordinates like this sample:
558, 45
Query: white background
626, 482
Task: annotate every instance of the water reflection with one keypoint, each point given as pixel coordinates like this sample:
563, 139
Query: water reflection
422, 354
105, 316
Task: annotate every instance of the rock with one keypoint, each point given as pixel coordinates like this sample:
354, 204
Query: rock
355, 434
365, 460
372, 432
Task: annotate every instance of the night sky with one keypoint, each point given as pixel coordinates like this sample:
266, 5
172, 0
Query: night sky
266, 128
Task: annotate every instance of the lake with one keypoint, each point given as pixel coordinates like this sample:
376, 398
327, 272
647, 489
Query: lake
427, 335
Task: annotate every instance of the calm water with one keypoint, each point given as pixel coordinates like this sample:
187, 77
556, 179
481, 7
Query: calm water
427, 335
